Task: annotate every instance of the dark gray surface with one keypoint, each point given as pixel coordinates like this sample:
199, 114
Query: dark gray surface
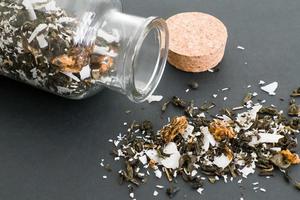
50, 148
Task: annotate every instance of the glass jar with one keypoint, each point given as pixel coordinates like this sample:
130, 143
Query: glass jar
73, 48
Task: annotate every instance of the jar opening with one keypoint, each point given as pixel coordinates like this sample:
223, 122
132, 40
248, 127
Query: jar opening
149, 59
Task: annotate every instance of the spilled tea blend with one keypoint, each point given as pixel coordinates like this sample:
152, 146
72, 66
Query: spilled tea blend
198, 147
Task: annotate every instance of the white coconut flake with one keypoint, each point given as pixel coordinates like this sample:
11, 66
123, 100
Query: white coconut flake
222, 161
72, 76
116, 142
36, 31
261, 82
225, 178
158, 173
188, 132
66, 20
246, 119
215, 95
262, 189
238, 108
104, 177
85, 72
269, 138
42, 41
270, 88
265, 138
131, 195
194, 173
202, 115
200, 190
155, 193
104, 51
240, 47
29, 7
51, 7
277, 149
153, 155
171, 162
154, 98
248, 170
110, 38
240, 181
143, 159
208, 139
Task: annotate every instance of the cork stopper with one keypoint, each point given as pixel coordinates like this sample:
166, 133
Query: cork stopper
197, 41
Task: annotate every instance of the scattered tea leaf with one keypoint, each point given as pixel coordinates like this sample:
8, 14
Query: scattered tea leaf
296, 93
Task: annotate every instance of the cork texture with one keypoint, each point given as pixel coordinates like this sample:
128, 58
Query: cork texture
197, 41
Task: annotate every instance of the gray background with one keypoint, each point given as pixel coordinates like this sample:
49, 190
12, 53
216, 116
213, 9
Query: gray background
50, 147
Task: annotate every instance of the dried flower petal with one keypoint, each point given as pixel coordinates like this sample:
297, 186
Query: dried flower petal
291, 157
74, 60
101, 63
221, 130
177, 126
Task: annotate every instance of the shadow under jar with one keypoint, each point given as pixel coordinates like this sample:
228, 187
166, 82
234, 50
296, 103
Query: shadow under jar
73, 48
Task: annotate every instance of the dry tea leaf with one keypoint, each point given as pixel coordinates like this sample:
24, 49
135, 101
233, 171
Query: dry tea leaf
228, 153
296, 93
280, 161
165, 106
176, 101
221, 130
172, 191
247, 98
294, 109
177, 126
291, 157
207, 106
297, 185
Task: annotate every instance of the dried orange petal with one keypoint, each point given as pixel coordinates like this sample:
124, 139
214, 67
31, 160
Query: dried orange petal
177, 126
74, 60
152, 164
291, 157
221, 130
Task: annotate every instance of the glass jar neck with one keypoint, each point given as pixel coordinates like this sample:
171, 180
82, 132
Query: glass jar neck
142, 53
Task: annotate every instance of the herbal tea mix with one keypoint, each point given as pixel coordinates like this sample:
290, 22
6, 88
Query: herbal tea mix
201, 148
43, 45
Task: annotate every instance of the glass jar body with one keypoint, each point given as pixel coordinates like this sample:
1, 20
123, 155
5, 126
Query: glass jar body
75, 48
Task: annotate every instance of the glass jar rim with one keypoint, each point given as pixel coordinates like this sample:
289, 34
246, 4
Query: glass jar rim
159, 26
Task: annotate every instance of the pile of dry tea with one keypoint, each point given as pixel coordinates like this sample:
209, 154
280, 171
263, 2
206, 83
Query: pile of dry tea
196, 147
43, 45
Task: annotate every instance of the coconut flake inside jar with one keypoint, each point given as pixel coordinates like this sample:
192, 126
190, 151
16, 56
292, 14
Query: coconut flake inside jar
73, 51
